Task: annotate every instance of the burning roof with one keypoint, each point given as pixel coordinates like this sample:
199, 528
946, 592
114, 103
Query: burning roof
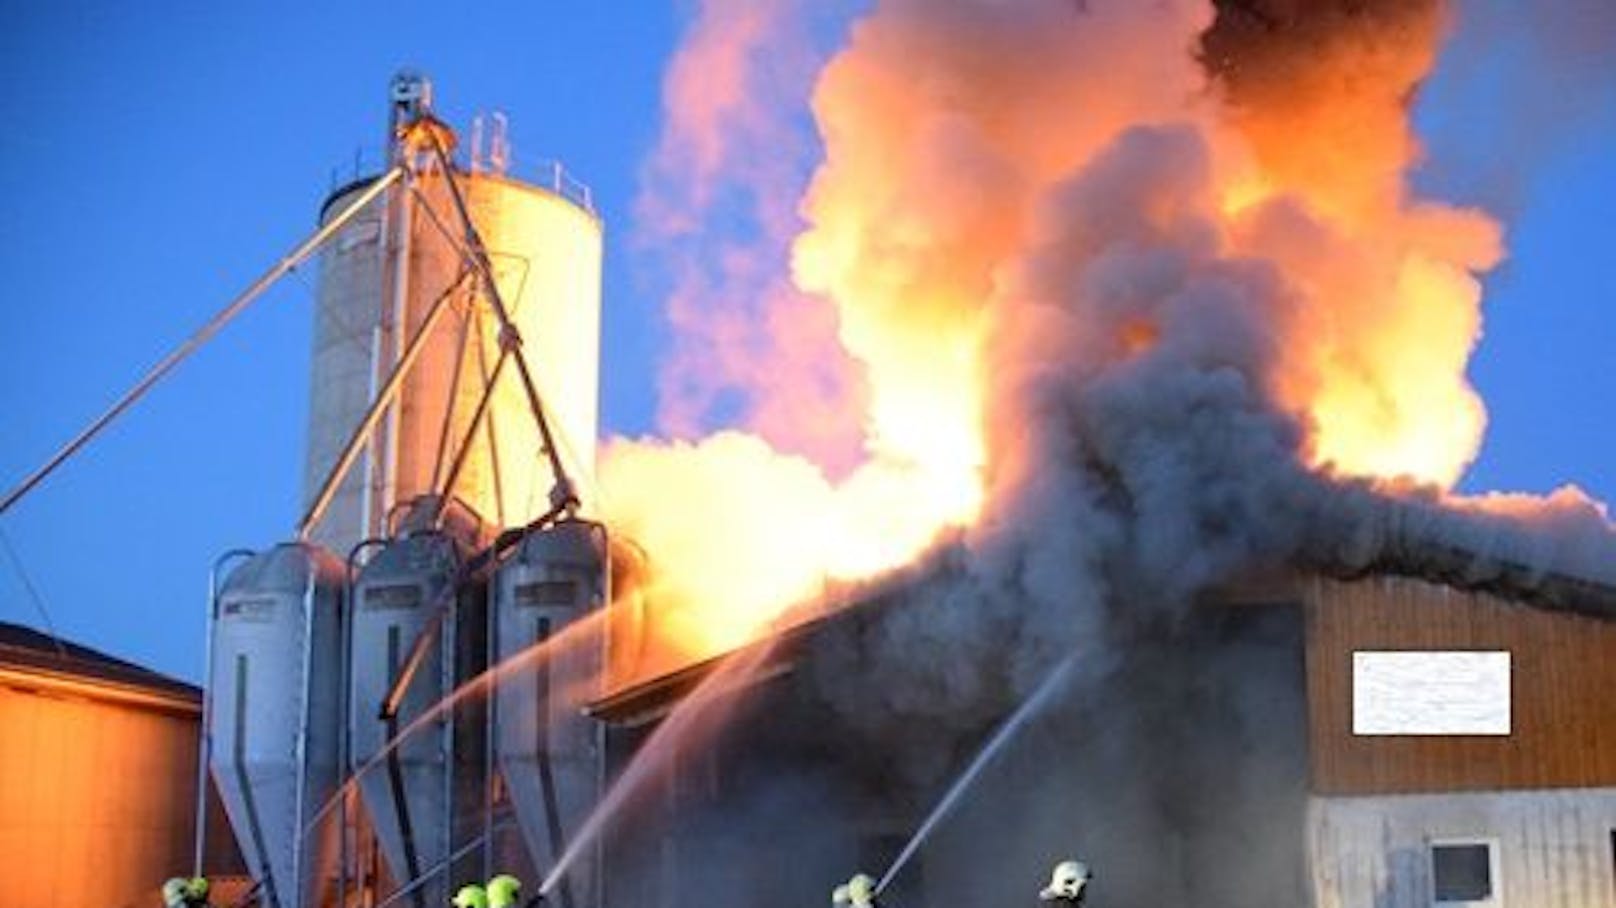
1121, 296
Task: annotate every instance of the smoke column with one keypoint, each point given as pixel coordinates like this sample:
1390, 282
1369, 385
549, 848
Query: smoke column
1134, 295
1120, 300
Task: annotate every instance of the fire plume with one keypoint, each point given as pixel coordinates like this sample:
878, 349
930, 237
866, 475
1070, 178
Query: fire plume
1050, 194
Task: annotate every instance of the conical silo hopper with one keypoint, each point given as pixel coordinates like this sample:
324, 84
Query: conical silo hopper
422, 770
550, 754
276, 716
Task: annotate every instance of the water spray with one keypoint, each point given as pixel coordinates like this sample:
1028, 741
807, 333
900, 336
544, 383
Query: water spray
733, 673
962, 784
486, 681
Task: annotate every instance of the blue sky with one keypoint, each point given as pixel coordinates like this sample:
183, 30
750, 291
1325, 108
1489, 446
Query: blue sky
159, 156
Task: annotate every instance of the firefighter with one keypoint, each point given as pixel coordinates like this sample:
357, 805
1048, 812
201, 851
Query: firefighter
470, 896
180, 892
504, 891
861, 891
1068, 884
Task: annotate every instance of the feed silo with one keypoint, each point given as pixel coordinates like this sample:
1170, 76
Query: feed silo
381, 278
552, 756
275, 684
418, 763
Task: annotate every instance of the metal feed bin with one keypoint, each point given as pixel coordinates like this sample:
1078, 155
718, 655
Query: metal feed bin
424, 796
550, 754
276, 715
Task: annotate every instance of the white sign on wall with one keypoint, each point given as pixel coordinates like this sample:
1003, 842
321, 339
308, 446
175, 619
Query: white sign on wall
1412, 692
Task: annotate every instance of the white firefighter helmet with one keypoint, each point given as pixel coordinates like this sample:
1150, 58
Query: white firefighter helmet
1067, 881
839, 898
175, 890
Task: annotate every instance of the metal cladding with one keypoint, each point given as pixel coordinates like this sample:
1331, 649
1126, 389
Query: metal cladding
550, 754
424, 797
380, 276
276, 688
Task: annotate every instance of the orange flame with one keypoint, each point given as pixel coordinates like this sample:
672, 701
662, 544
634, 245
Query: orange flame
943, 133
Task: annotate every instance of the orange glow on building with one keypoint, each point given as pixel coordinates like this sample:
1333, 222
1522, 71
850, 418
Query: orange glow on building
97, 777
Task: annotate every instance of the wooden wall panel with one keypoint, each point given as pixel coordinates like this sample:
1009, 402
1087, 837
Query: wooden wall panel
98, 795
1563, 690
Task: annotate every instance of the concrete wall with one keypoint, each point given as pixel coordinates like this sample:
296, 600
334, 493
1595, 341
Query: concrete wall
1554, 847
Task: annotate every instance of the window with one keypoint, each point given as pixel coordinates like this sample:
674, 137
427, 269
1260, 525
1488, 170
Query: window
1464, 873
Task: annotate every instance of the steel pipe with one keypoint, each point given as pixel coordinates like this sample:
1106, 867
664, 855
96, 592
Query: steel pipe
202, 335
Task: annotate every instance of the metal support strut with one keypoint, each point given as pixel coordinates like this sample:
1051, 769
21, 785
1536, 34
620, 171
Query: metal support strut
563, 496
384, 399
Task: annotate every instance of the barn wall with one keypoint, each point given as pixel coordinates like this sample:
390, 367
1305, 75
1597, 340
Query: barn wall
1180, 773
97, 788
1554, 847
1180, 776
1563, 730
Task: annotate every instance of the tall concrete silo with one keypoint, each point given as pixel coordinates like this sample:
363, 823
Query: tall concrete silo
380, 277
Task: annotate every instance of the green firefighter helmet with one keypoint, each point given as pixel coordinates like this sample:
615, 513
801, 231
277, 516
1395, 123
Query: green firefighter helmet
197, 887
472, 896
504, 891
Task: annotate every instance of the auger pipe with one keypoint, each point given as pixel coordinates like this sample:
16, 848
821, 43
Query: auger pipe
510, 337
477, 415
384, 399
424, 640
482, 559
201, 336
478, 562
